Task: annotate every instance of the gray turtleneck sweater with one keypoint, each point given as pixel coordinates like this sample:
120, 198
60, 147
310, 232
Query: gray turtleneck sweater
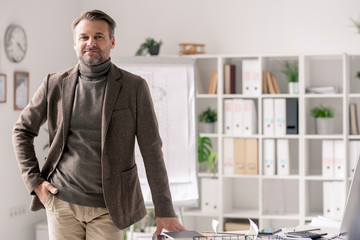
78, 174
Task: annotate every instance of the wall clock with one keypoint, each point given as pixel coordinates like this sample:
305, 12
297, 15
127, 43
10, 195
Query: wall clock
15, 43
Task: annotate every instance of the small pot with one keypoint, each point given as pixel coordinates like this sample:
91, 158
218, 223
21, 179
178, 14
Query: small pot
154, 50
293, 87
324, 126
207, 127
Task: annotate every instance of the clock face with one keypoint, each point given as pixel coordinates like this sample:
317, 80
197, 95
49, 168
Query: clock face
15, 43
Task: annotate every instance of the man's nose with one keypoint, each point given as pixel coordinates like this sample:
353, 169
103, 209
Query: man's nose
92, 42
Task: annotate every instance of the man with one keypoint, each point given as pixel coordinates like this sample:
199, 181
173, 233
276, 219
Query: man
89, 184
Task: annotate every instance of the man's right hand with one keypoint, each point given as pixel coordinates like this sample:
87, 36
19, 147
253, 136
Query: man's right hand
42, 190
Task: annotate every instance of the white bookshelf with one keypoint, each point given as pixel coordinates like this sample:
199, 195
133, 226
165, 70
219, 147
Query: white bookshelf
298, 197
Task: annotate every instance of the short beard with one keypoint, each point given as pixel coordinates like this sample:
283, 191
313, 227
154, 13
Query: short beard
92, 61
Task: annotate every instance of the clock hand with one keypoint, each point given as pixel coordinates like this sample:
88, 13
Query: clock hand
21, 48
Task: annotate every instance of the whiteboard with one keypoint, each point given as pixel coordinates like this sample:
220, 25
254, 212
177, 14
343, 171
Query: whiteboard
172, 87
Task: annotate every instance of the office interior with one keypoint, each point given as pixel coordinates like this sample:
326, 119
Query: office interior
225, 27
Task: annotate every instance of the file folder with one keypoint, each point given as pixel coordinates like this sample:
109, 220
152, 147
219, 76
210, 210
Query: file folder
339, 159
268, 115
239, 156
280, 116
269, 157
252, 156
238, 117
328, 158
228, 112
250, 117
283, 157
328, 200
292, 119
251, 77
228, 156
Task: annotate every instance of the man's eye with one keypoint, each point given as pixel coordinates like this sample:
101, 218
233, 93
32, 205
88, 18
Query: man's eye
83, 38
99, 36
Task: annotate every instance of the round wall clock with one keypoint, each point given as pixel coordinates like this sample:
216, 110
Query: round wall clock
15, 43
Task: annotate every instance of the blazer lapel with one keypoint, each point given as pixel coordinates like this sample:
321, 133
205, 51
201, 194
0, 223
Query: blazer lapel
68, 88
112, 91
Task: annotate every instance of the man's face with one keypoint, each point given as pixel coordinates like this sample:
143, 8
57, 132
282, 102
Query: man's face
92, 41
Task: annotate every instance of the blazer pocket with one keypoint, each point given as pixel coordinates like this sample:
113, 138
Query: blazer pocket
123, 123
132, 197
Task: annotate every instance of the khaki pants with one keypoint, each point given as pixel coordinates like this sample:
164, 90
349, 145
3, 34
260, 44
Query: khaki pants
70, 221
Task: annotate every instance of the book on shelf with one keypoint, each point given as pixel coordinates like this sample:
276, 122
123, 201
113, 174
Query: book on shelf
275, 84
264, 83
270, 84
229, 78
322, 89
354, 128
213, 83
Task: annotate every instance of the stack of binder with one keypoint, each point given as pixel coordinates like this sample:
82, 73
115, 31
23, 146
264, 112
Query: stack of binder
276, 157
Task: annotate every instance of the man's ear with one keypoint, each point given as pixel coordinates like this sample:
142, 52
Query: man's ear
74, 45
113, 42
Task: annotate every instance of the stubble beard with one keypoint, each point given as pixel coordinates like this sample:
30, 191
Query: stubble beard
91, 60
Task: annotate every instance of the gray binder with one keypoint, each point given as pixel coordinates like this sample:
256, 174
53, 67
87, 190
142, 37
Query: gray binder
292, 116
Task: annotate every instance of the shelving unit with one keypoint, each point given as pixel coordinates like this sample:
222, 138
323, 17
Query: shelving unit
277, 201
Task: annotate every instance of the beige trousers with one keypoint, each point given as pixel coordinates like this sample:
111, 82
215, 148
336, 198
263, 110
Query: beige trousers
70, 221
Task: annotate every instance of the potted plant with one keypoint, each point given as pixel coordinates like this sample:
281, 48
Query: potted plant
206, 154
324, 119
149, 46
208, 119
292, 73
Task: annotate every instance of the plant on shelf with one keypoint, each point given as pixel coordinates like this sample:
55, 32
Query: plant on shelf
292, 73
206, 154
149, 46
358, 75
208, 117
324, 119
356, 24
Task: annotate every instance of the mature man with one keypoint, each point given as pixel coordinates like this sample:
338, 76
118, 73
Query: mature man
89, 183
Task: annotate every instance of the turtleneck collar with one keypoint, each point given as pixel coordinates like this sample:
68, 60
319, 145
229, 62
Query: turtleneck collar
94, 71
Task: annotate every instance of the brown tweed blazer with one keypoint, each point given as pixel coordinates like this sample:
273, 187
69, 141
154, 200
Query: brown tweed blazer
127, 113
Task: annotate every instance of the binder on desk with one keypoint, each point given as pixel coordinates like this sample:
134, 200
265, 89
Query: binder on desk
328, 158
269, 157
250, 117
292, 126
239, 156
268, 116
283, 157
280, 116
238, 117
252, 156
339, 159
228, 156
228, 118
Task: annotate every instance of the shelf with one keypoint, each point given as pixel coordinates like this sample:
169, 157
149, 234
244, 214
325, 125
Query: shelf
282, 216
199, 213
292, 177
242, 213
321, 178
207, 96
245, 176
333, 95
321, 137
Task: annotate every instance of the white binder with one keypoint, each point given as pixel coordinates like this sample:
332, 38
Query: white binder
268, 115
269, 157
238, 117
250, 117
228, 111
338, 191
209, 195
282, 157
228, 156
354, 151
251, 77
280, 116
328, 158
328, 200
339, 159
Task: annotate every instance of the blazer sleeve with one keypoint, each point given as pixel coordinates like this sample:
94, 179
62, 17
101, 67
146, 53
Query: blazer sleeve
25, 130
150, 145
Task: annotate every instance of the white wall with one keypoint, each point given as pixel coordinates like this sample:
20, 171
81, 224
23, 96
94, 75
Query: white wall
47, 24
225, 26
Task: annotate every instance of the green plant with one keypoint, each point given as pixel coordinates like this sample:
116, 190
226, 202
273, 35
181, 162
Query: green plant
206, 154
322, 112
356, 24
291, 71
147, 47
358, 75
208, 116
